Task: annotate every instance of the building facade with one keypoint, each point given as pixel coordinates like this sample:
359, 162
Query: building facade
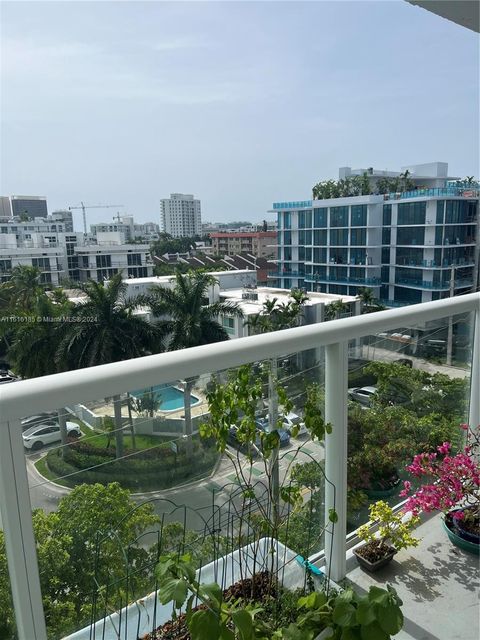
32, 206
260, 244
103, 260
407, 246
180, 216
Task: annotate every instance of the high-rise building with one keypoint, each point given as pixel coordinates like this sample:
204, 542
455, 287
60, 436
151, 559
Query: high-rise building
5, 208
408, 246
32, 206
180, 215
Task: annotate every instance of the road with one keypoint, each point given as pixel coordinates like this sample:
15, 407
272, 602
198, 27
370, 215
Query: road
197, 498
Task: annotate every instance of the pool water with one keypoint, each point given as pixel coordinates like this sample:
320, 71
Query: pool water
170, 398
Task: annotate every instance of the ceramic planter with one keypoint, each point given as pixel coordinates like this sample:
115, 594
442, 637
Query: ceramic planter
462, 539
378, 564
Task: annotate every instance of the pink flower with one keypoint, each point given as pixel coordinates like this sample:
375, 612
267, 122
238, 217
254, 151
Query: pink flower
458, 515
464, 426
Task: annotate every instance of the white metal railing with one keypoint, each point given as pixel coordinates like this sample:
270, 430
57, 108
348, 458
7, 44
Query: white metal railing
31, 396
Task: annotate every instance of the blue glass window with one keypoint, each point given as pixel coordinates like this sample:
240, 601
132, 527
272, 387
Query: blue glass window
339, 216
319, 218
359, 215
387, 215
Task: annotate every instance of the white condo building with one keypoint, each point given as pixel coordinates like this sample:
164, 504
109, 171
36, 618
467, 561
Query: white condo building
180, 215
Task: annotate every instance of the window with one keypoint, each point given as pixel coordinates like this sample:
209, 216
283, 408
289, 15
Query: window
134, 259
440, 209
41, 263
358, 256
459, 211
304, 219
386, 235
386, 255
409, 236
358, 237
359, 215
320, 255
103, 261
287, 237
411, 213
5, 265
339, 216
228, 324
320, 238
409, 257
338, 237
320, 218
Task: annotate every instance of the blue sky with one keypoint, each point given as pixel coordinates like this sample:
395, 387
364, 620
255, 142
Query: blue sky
240, 103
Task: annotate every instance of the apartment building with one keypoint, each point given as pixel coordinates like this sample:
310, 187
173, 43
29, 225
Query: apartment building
257, 243
147, 231
110, 256
31, 206
180, 216
408, 246
46, 258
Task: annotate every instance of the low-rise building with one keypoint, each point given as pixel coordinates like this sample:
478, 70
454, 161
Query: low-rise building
258, 243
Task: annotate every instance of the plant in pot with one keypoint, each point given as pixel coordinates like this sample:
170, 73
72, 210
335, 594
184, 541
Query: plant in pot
394, 533
454, 488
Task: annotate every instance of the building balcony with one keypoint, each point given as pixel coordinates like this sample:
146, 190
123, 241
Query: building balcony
445, 192
328, 353
354, 281
286, 274
427, 284
431, 264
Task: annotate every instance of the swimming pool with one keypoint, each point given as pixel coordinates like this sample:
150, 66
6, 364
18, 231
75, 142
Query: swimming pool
170, 398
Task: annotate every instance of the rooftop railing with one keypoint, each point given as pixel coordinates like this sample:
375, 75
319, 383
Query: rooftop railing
86, 386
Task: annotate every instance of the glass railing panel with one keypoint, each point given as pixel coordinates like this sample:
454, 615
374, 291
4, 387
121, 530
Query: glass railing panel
134, 481
408, 393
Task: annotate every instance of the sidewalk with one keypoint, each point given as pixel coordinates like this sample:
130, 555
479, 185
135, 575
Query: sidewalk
384, 355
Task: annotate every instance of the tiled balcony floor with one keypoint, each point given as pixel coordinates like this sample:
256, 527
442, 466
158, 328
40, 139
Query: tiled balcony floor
438, 583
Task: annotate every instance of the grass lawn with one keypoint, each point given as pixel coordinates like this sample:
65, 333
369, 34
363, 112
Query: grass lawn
100, 440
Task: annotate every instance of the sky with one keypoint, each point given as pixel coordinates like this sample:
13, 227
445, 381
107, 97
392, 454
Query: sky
240, 103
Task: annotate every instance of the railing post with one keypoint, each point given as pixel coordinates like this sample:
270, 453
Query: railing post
474, 409
336, 378
17, 525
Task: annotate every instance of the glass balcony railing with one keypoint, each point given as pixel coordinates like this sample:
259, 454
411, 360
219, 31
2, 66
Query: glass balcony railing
431, 264
286, 274
427, 284
294, 204
348, 280
89, 551
440, 192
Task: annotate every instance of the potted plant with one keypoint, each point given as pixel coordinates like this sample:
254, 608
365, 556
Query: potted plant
454, 488
394, 533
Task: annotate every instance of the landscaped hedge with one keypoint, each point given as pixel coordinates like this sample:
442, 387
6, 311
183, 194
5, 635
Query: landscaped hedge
141, 471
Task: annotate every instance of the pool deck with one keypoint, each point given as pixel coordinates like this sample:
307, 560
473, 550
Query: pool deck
197, 410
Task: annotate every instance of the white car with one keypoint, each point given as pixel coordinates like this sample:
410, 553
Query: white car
36, 437
293, 420
363, 395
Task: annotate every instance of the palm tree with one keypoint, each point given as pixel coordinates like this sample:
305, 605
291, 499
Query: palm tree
23, 290
189, 323
369, 302
106, 330
34, 344
335, 309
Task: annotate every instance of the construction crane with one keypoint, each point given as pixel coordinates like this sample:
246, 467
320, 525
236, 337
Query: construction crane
92, 206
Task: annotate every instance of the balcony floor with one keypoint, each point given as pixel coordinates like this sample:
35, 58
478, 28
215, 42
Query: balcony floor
438, 583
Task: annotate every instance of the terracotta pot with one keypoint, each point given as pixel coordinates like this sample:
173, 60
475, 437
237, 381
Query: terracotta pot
378, 564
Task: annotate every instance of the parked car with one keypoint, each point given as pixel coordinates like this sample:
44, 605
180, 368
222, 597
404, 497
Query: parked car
264, 425
39, 418
292, 420
363, 395
36, 437
241, 446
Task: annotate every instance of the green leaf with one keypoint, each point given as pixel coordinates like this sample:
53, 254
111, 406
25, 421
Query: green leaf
226, 633
344, 614
173, 589
292, 632
204, 625
350, 634
379, 596
213, 592
332, 515
243, 622
365, 612
373, 631
390, 618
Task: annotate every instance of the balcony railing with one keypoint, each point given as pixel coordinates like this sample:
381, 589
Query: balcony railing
440, 192
87, 385
334, 279
439, 286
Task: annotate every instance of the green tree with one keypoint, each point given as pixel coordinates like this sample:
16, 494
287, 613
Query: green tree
106, 330
370, 303
336, 310
23, 290
103, 524
190, 322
